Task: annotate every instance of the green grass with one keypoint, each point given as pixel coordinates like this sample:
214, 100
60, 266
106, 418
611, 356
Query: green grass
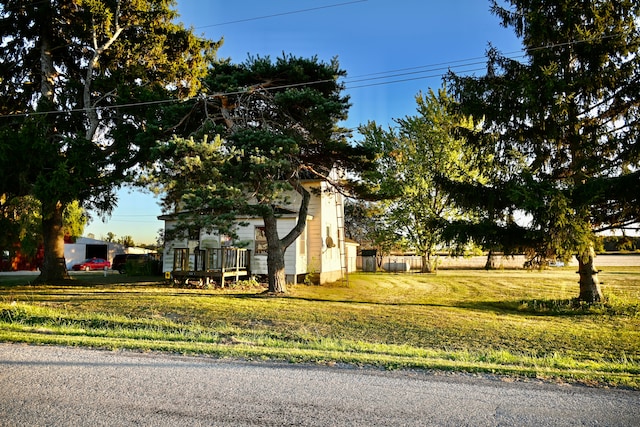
512, 322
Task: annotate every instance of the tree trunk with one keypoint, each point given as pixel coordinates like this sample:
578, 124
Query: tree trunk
491, 261
275, 255
46, 66
427, 267
53, 267
590, 291
276, 247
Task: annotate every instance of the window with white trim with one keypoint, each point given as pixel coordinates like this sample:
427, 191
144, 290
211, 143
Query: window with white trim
261, 241
303, 242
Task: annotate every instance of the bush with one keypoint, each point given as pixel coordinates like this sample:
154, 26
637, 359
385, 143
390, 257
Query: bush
145, 268
621, 243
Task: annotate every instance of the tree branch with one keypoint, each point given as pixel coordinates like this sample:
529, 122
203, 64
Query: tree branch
90, 110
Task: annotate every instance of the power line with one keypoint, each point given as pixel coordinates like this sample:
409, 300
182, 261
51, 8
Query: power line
257, 18
390, 74
139, 221
347, 81
293, 12
408, 79
357, 79
447, 65
132, 215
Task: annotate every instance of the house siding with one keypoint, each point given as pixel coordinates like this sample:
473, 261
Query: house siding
259, 261
323, 261
294, 265
167, 256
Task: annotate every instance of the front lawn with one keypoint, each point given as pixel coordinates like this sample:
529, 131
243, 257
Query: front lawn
513, 322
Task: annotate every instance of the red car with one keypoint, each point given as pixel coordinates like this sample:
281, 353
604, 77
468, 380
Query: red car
92, 264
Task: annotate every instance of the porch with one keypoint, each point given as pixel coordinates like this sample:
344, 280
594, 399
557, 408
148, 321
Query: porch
210, 266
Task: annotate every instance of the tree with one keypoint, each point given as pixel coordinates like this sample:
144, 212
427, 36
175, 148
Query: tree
565, 122
264, 127
70, 72
126, 241
364, 224
410, 159
74, 219
21, 223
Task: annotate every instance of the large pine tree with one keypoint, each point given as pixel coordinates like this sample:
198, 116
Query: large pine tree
264, 128
69, 74
564, 123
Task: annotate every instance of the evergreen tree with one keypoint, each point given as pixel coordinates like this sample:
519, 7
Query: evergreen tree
264, 127
563, 124
70, 72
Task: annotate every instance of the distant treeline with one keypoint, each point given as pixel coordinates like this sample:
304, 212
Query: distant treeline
620, 243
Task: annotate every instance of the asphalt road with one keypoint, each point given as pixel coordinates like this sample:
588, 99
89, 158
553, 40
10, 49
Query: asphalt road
58, 386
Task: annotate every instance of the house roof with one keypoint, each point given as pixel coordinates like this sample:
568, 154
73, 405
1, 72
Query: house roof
351, 242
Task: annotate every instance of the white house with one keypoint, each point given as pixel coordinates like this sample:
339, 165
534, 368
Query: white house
320, 251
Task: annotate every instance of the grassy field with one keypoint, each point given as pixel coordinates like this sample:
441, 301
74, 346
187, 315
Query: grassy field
512, 322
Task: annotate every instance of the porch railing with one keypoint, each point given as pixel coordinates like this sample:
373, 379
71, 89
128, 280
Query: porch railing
213, 263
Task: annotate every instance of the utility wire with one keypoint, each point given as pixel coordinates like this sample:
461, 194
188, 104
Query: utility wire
444, 65
392, 74
293, 12
408, 79
347, 81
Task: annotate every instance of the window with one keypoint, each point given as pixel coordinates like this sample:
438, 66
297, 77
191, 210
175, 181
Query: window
303, 242
199, 259
226, 241
194, 234
181, 259
261, 241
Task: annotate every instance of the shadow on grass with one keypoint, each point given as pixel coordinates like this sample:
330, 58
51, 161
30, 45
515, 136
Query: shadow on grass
554, 307
365, 302
136, 287
83, 279
532, 307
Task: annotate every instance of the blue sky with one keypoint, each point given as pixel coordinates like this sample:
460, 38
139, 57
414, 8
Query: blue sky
391, 51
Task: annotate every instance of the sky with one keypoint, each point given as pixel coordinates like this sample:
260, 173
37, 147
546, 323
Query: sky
391, 51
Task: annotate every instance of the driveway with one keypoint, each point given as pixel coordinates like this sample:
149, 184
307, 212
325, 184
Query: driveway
61, 386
